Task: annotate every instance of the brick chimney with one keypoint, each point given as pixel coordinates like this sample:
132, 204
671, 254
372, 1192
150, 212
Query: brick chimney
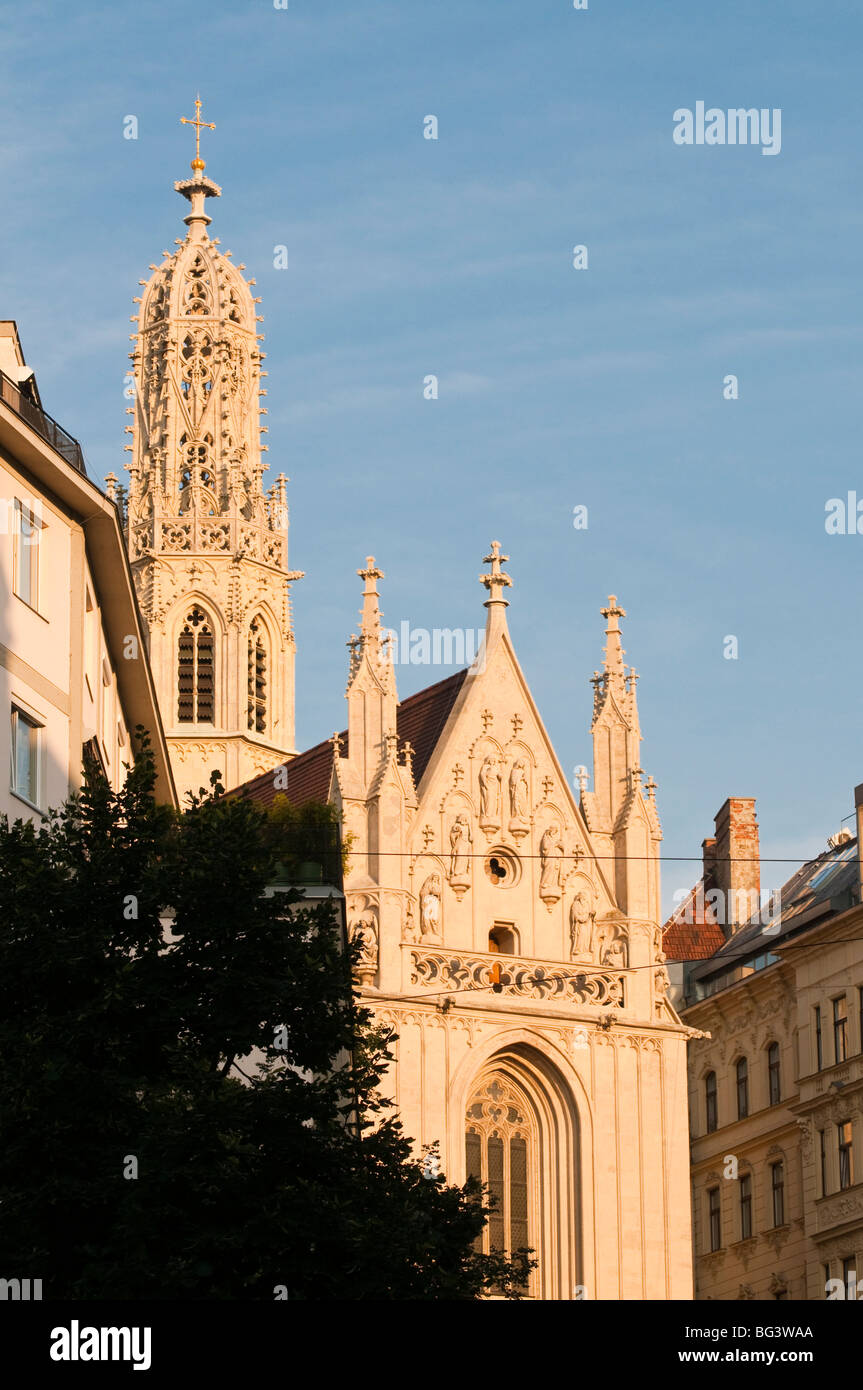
731, 862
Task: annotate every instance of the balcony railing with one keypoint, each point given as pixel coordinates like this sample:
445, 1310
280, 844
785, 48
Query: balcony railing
42, 423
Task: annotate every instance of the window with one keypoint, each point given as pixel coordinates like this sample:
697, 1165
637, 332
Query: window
26, 736
715, 1217
742, 1088
500, 1149
502, 939
745, 1182
825, 1270
846, 1155
25, 561
849, 1277
501, 869
196, 670
840, 1029
822, 1144
257, 678
777, 1188
819, 1041
773, 1081
710, 1101
860, 1014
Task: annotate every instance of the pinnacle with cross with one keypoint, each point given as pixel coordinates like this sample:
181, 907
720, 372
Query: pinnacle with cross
497, 580
197, 163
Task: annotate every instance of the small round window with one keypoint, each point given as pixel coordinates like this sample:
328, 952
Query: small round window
502, 868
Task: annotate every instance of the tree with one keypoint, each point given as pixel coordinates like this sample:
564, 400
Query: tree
183, 1068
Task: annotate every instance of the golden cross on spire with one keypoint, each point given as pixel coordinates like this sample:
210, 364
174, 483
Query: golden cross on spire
197, 162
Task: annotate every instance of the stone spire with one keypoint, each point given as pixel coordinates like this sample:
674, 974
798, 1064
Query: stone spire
616, 734
371, 693
201, 530
370, 614
496, 581
623, 820
613, 652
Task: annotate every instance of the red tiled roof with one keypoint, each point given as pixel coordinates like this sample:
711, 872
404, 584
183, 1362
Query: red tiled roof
697, 938
420, 720
692, 931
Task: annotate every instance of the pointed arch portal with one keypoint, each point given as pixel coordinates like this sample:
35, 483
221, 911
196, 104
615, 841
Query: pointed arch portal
522, 1140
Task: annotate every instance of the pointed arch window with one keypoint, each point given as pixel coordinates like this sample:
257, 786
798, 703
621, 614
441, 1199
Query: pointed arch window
501, 1153
196, 659
257, 677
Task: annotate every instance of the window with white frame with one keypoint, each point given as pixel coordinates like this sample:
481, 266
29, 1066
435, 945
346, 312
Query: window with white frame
26, 750
25, 562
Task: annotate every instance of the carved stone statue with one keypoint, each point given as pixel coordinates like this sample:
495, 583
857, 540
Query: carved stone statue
460, 841
430, 906
489, 793
410, 931
582, 921
364, 931
616, 952
551, 855
518, 796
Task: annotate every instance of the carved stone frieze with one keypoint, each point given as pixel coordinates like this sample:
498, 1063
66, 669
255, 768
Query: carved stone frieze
530, 979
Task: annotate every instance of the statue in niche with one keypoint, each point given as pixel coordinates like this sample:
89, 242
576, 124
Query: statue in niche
364, 931
518, 795
582, 921
551, 855
459, 861
616, 952
489, 792
410, 926
430, 906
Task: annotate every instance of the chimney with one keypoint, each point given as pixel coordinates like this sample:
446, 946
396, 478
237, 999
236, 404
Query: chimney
708, 865
858, 807
735, 863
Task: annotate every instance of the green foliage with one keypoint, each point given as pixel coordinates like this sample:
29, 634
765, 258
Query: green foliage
144, 970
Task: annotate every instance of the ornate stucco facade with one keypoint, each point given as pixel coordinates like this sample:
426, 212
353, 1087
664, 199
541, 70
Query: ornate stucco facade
209, 548
775, 1070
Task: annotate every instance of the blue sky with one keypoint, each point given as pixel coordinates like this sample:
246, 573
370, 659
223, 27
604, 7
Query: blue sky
557, 387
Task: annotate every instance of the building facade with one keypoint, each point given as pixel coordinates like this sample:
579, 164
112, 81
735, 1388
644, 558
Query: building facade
510, 931
776, 1077
510, 940
74, 676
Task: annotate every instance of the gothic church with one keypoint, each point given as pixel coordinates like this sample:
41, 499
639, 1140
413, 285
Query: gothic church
510, 931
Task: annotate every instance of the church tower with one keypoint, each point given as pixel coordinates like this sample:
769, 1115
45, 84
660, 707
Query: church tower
208, 547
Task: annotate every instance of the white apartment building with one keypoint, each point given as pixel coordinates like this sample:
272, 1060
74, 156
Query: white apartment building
75, 678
